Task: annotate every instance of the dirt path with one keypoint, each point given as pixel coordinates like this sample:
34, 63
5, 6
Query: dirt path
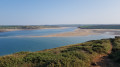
103, 61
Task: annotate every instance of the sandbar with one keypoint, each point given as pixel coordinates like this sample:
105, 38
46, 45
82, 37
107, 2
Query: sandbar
83, 32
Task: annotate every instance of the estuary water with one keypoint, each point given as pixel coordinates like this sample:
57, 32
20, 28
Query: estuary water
10, 44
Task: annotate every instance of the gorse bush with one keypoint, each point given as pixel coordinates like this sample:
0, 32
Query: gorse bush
98, 48
10, 61
115, 55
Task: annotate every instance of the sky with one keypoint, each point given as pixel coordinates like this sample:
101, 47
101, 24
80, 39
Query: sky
42, 12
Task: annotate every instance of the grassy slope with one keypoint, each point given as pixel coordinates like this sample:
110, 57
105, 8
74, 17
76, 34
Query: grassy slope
77, 55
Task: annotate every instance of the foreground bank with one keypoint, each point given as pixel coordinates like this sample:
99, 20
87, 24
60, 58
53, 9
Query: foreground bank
77, 55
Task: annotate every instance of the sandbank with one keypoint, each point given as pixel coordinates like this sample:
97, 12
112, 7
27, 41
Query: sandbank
83, 32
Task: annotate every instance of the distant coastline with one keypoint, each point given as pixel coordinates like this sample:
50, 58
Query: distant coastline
8, 30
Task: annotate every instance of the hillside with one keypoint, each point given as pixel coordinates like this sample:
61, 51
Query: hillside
86, 54
100, 27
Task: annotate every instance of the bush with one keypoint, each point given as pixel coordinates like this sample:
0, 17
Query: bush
115, 55
10, 61
99, 48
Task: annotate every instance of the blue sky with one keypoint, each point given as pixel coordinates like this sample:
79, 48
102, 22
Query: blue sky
37, 12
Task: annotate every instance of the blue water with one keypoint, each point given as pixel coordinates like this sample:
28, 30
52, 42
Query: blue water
10, 44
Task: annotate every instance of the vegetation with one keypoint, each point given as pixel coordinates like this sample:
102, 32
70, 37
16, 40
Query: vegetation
25, 27
100, 27
115, 55
77, 55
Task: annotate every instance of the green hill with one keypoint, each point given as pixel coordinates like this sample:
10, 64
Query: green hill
77, 55
100, 27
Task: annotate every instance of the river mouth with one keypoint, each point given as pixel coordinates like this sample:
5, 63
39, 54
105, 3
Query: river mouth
9, 43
